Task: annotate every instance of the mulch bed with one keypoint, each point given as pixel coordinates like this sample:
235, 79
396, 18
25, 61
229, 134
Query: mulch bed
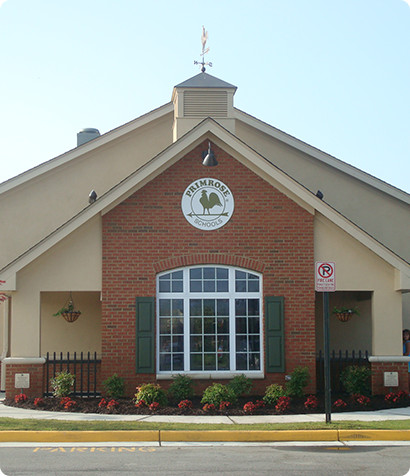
127, 407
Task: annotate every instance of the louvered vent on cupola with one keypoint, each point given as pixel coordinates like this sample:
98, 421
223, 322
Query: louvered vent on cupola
200, 97
205, 103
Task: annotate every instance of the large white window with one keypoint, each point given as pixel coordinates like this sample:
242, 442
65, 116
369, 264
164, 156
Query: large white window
209, 321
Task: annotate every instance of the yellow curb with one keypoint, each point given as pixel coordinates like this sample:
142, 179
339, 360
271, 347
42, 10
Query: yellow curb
374, 435
203, 436
78, 436
228, 435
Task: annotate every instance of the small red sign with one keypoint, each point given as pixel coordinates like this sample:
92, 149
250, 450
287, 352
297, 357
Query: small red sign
325, 278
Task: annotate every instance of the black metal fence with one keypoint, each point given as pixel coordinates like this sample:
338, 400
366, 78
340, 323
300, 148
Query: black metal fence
85, 367
338, 362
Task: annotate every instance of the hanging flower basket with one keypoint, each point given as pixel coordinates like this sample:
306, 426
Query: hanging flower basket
344, 314
71, 316
69, 312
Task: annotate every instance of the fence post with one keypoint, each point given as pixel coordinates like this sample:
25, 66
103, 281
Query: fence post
88, 371
47, 374
82, 374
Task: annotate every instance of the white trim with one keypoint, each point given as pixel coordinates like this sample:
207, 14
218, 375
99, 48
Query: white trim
389, 358
211, 375
321, 156
24, 360
6, 326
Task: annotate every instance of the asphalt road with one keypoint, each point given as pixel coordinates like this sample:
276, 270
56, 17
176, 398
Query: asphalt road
206, 460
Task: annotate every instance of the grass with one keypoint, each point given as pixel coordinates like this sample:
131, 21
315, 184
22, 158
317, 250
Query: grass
57, 425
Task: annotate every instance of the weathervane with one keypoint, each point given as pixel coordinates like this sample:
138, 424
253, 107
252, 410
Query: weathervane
204, 37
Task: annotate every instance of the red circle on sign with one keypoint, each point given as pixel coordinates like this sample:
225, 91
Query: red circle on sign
325, 270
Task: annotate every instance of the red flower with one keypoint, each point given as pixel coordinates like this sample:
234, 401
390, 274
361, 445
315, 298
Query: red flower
154, 406
38, 402
64, 401
249, 407
20, 398
69, 403
260, 404
311, 402
185, 404
112, 404
208, 407
103, 403
224, 405
282, 404
395, 397
141, 404
339, 403
361, 399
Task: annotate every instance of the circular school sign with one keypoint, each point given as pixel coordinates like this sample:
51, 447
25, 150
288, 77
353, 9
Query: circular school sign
207, 204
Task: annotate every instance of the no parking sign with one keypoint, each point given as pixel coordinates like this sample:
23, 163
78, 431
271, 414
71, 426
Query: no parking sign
325, 276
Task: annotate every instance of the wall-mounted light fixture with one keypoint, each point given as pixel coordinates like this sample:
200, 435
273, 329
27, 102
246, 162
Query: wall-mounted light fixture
209, 157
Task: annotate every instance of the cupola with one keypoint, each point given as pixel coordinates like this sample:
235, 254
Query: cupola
200, 97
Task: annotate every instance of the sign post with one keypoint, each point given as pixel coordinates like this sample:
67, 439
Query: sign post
325, 282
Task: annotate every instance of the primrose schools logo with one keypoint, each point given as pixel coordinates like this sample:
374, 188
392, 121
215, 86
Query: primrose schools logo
207, 204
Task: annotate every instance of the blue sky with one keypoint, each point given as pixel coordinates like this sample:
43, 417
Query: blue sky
333, 74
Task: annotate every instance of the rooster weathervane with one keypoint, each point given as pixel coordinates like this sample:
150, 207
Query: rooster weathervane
205, 50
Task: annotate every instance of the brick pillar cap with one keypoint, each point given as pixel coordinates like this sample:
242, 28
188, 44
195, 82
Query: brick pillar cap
389, 358
24, 360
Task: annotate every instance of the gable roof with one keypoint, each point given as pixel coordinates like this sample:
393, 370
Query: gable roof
205, 80
87, 147
210, 130
322, 156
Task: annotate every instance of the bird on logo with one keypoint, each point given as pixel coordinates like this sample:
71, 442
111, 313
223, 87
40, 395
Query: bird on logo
209, 202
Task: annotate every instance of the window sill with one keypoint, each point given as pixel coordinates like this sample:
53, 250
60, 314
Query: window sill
210, 375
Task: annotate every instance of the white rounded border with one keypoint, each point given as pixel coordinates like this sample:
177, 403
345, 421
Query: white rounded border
218, 215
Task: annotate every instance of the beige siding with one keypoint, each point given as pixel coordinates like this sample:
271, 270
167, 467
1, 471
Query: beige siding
381, 215
31, 211
358, 269
74, 265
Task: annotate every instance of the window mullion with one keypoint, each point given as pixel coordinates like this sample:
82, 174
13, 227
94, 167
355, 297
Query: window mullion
232, 334
187, 349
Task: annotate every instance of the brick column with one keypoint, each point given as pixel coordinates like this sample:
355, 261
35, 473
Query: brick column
378, 368
34, 367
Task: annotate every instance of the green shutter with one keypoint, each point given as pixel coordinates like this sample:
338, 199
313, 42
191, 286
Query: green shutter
275, 336
145, 335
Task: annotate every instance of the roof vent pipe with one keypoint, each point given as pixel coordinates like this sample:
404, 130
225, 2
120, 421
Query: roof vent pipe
85, 135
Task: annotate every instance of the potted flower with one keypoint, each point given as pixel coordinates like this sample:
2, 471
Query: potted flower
69, 312
344, 313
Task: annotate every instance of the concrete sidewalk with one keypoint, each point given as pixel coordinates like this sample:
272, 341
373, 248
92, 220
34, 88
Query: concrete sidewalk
157, 437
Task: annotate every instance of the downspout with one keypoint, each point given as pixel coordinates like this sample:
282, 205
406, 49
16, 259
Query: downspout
5, 343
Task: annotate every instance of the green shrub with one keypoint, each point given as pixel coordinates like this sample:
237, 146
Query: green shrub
150, 393
299, 379
217, 393
114, 386
356, 380
62, 384
273, 393
240, 385
182, 388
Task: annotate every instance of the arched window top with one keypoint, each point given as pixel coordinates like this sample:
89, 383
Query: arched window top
209, 279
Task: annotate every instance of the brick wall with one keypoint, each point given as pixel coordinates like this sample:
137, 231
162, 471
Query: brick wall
378, 369
148, 233
36, 379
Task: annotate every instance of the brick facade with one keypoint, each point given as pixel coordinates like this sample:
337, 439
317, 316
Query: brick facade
148, 233
36, 373
378, 369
